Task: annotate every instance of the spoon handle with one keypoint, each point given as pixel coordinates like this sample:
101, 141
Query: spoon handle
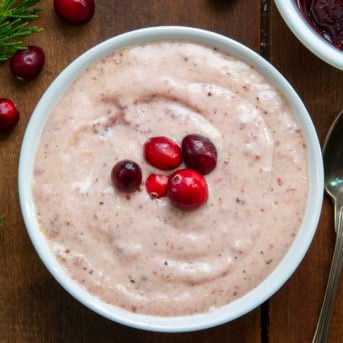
320, 335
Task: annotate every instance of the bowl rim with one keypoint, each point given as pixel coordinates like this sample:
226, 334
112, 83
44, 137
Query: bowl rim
280, 273
298, 24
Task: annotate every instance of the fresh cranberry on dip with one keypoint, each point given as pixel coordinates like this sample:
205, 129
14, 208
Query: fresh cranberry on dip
243, 199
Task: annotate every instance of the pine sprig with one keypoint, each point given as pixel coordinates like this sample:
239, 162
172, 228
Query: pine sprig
15, 16
2, 219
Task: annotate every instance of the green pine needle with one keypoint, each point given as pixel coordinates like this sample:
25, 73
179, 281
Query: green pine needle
15, 16
2, 219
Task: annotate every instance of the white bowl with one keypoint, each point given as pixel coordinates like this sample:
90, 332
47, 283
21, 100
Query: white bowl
238, 307
296, 21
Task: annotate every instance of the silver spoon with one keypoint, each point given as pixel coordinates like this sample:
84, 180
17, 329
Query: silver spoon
333, 167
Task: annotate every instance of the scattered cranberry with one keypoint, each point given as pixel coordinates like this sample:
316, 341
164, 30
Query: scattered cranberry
75, 11
199, 153
27, 64
9, 116
126, 176
187, 189
157, 185
162, 153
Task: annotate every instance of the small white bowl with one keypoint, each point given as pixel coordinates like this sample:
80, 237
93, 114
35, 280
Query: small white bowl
296, 21
238, 307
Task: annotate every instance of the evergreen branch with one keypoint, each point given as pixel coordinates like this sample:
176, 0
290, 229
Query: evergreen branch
2, 219
15, 16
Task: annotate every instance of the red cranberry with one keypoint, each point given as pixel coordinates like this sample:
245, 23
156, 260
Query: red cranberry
157, 185
187, 189
162, 153
75, 11
27, 64
9, 116
126, 176
199, 153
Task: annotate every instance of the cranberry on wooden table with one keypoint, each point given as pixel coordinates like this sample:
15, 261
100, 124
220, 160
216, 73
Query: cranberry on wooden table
157, 185
126, 176
75, 12
187, 189
9, 115
162, 153
199, 153
27, 64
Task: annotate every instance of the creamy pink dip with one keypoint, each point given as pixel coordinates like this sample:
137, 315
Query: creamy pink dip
142, 254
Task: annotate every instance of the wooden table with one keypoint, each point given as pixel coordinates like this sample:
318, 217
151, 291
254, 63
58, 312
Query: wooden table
33, 307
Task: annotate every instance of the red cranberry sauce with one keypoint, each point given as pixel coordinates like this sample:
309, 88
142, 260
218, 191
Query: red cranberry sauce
326, 17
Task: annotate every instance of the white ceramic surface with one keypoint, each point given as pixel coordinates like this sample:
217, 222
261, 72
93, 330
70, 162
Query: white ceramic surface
307, 35
193, 322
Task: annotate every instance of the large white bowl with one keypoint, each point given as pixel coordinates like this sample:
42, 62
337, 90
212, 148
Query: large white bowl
238, 307
296, 21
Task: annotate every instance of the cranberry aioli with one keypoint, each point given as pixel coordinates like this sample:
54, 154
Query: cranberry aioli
145, 255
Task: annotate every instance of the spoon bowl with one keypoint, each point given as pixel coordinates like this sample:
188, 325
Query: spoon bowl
333, 159
333, 168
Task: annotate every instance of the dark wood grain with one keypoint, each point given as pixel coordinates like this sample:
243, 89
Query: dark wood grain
294, 310
33, 307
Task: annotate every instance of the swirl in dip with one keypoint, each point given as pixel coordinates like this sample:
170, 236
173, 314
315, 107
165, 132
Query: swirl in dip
143, 254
